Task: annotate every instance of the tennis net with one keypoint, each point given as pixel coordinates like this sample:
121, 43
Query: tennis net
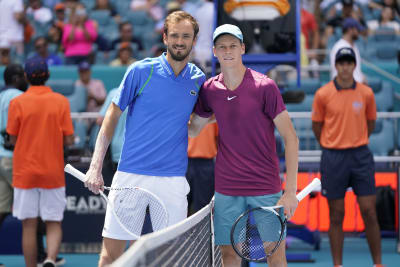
188, 243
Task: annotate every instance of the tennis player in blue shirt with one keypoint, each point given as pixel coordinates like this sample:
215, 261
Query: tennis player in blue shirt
159, 94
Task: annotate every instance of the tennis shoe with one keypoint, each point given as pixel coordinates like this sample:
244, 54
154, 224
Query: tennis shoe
49, 263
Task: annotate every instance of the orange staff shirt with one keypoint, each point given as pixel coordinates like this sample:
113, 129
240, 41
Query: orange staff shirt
344, 113
40, 119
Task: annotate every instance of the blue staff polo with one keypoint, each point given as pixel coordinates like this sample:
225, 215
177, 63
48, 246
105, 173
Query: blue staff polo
160, 104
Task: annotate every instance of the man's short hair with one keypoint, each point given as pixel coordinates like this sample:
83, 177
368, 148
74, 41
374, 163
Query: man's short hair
178, 16
11, 71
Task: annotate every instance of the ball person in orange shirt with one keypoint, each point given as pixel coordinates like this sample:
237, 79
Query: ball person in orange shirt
343, 118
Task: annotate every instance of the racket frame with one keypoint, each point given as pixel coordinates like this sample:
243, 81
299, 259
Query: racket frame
300, 196
81, 176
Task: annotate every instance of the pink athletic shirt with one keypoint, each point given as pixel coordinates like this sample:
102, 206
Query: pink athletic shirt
247, 163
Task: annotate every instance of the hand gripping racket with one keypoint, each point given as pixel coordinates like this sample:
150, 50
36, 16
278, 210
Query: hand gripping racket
258, 232
129, 206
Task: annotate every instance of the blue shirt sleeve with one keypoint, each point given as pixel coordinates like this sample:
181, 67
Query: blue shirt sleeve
128, 88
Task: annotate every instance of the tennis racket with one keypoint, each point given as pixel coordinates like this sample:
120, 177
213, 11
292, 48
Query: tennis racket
129, 206
258, 232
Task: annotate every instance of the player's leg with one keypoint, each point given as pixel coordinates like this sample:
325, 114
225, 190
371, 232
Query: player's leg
226, 210
26, 209
111, 250
363, 184
278, 258
229, 256
372, 231
6, 190
52, 206
204, 183
336, 236
335, 179
29, 248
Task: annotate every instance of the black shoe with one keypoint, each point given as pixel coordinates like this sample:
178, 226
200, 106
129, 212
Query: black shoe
49, 263
60, 261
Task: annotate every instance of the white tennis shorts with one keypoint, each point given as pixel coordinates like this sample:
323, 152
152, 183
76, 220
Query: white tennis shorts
49, 204
171, 190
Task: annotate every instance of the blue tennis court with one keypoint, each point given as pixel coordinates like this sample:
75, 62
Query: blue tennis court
355, 254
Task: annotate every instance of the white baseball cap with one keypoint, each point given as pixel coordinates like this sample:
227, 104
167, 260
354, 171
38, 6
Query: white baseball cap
228, 29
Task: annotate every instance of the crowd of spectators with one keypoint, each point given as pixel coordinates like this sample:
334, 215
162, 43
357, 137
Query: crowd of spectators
119, 32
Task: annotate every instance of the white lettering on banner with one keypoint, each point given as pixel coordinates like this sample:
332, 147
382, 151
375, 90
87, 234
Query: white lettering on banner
86, 205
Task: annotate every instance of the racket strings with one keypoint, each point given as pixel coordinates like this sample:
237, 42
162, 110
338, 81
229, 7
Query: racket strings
257, 234
131, 205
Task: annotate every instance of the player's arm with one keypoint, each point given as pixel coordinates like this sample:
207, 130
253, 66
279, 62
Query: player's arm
288, 134
317, 129
197, 123
94, 178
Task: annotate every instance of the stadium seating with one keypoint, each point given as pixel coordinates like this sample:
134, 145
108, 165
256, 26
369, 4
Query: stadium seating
381, 141
76, 95
383, 93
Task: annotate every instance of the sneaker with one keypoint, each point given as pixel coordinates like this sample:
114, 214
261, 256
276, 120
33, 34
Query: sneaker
60, 261
49, 263
2, 265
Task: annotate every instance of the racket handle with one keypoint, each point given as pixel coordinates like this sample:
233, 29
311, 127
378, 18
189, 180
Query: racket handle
307, 190
74, 172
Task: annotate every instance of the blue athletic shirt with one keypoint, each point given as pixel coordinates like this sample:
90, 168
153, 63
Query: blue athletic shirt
160, 104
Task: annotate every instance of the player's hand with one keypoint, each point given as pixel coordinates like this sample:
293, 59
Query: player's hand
94, 180
289, 203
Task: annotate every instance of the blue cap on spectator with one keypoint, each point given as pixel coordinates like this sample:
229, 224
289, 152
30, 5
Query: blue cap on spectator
345, 53
352, 23
84, 65
228, 29
36, 67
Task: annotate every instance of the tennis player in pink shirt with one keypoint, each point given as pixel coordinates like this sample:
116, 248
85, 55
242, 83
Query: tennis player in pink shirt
247, 106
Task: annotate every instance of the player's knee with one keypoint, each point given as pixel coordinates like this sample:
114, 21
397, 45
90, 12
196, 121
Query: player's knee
106, 259
336, 216
369, 215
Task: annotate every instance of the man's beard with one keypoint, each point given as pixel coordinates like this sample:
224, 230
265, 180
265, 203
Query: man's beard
181, 56
355, 37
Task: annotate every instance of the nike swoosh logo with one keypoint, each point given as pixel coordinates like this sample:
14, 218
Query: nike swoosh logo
230, 98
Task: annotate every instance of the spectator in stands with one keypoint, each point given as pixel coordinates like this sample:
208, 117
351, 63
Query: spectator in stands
351, 31
55, 37
380, 4
12, 19
386, 20
78, 36
106, 5
95, 88
39, 193
343, 117
38, 12
60, 18
310, 30
202, 150
203, 48
337, 20
42, 51
125, 55
152, 7
126, 35
5, 57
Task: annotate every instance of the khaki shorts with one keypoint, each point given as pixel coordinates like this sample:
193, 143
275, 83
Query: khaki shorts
6, 190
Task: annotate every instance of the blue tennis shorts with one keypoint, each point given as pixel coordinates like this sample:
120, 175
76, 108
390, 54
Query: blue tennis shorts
228, 208
343, 168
